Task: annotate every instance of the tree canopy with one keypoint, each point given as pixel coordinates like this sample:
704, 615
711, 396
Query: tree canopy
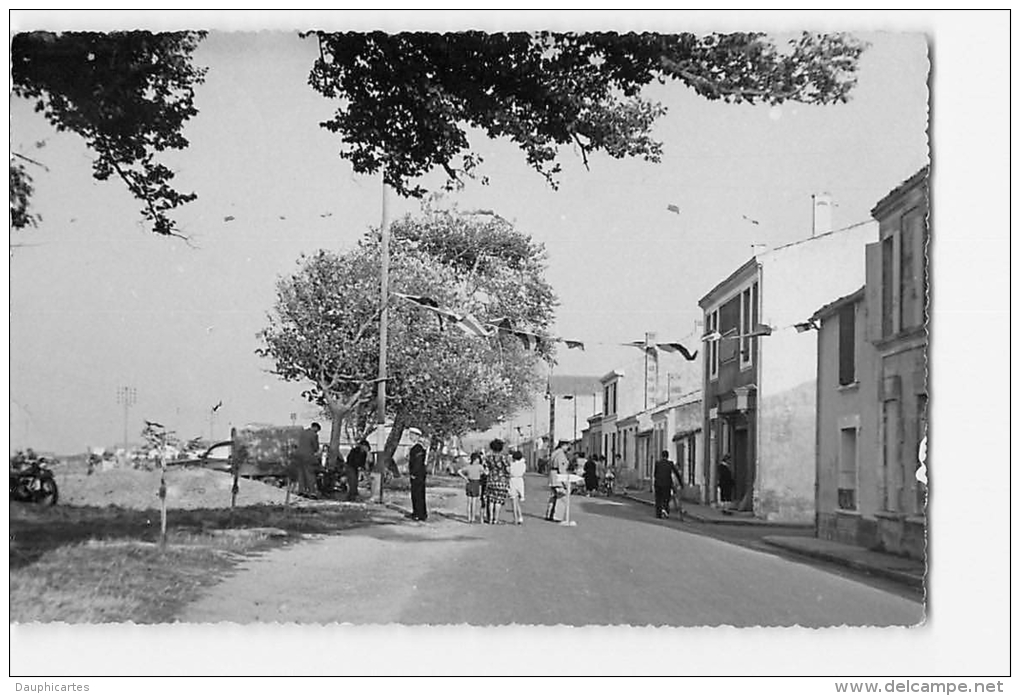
127, 94
324, 328
407, 99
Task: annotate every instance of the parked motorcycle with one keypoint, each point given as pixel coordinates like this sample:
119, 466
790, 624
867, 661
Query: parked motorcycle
31, 481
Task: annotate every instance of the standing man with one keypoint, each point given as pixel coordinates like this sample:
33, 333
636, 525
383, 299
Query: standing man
558, 463
417, 470
357, 459
307, 457
663, 479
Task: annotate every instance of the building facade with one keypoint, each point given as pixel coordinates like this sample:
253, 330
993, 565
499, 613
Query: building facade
759, 404
847, 444
872, 388
897, 290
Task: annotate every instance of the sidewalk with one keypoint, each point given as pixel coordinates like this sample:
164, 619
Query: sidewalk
711, 515
907, 571
898, 568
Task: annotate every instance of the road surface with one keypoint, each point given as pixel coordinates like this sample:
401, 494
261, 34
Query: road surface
617, 566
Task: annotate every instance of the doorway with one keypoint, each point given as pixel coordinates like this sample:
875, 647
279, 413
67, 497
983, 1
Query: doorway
742, 468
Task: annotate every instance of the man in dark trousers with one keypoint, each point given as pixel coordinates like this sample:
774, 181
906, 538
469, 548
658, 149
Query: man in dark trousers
417, 471
665, 470
307, 459
357, 459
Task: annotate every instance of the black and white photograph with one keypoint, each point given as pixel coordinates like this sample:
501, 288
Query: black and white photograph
460, 331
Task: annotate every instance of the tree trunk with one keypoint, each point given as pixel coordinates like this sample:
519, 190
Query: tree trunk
390, 448
333, 455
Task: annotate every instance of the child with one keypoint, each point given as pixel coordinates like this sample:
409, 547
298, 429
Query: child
472, 473
517, 468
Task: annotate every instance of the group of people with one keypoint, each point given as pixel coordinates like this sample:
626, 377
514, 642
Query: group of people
492, 479
307, 463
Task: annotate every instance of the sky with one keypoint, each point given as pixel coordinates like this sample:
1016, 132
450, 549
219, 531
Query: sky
98, 304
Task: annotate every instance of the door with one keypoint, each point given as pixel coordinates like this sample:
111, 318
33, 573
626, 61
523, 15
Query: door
742, 470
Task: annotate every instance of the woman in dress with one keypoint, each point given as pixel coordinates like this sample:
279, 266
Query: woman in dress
498, 484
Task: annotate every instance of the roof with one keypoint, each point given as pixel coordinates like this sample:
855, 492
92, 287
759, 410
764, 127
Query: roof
564, 385
610, 376
825, 310
900, 190
748, 265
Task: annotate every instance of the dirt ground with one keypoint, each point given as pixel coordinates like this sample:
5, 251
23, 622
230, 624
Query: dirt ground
138, 489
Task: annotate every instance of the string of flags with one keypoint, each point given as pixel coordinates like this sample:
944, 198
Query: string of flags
530, 340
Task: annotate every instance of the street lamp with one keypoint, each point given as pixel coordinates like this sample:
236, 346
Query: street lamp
128, 397
570, 397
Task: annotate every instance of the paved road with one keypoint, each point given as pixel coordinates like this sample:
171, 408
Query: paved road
619, 565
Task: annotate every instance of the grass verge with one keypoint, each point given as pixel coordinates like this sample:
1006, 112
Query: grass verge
103, 564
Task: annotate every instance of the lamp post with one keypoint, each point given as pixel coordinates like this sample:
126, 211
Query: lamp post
128, 397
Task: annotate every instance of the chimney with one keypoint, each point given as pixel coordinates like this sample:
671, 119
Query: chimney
821, 213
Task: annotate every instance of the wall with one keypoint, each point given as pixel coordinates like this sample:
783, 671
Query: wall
786, 455
795, 281
688, 420
840, 407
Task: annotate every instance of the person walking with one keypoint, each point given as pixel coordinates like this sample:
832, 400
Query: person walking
417, 470
726, 482
517, 469
472, 474
498, 485
357, 459
663, 475
306, 458
558, 463
591, 476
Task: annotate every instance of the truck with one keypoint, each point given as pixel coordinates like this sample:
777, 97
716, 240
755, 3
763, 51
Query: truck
264, 453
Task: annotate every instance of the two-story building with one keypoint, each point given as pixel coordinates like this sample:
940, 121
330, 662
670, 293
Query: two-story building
759, 399
873, 393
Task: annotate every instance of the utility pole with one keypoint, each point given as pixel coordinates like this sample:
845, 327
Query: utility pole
384, 262
127, 397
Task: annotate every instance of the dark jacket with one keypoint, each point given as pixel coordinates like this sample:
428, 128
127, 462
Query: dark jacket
416, 462
664, 472
357, 458
308, 445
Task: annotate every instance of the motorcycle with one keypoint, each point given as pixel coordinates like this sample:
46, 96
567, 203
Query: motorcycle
32, 481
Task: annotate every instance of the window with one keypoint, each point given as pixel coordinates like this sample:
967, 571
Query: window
911, 282
847, 483
887, 286
605, 400
729, 327
613, 387
847, 344
745, 327
691, 444
713, 345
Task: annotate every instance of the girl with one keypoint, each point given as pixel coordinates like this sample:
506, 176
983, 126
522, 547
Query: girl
517, 468
472, 473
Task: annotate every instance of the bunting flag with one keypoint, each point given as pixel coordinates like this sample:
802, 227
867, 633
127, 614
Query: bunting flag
529, 340
673, 209
647, 347
573, 344
678, 348
760, 330
472, 327
809, 325
433, 306
502, 324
